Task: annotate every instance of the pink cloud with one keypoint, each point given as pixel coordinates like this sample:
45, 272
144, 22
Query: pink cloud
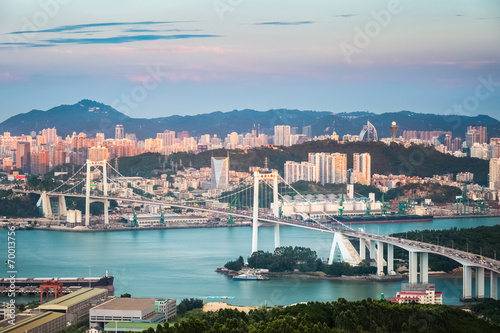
10, 77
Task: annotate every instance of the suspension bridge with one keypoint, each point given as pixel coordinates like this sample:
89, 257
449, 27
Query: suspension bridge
261, 201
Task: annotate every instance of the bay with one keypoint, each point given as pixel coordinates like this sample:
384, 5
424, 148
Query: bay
181, 263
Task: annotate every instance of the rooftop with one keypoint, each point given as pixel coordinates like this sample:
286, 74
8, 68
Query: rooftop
73, 298
125, 303
31, 322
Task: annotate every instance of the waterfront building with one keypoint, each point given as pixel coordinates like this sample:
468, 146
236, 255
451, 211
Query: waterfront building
127, 309
46, 322
220, 172
418, 293
282, 135
76, 305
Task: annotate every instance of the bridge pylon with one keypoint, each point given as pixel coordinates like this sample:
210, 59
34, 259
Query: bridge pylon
95, 164
275, 207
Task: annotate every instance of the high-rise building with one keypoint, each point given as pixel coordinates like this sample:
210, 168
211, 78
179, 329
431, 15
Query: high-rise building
330, 168
476, 134
220, 172
167, 138
99, 138
495, 174
23, 156
119, 132
50, 135
295, 171
98, 154
362, 168
368, 133
282, 135
307, 131
394, 131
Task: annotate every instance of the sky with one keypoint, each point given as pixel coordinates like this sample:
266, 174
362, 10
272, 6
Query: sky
154, 58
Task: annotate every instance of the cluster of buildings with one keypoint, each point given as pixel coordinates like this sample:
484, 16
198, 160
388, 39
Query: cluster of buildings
38, 153
105, 313
330, 168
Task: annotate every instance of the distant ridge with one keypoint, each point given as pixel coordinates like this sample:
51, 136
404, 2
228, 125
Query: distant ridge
93, 117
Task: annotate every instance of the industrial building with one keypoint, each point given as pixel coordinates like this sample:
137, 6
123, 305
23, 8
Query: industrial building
145, 221
77, 304
132, 310
45, 322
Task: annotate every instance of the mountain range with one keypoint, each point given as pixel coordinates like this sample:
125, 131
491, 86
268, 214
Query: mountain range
93, 117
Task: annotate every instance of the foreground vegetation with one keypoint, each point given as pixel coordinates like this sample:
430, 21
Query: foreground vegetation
480, 240
287, 258
340, 316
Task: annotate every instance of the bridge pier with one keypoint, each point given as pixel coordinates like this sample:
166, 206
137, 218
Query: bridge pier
493, 285
62, 206
413, 271
390, 258
380, 258
424, 267
362, 248
480, 282
255, 221
467, 283
372, 249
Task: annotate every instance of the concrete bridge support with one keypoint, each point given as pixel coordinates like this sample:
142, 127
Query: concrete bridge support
255, 221
62, 206
380, 258
276, 210
467, 283
413, 267
493, 285
362, 248
372, 249
390, 258
424, 267
480, 282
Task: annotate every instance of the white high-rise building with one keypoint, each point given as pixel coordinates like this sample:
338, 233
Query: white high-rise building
51, 136
295, 171
362, 168
495, 174
330, 168
282, 135
220, 172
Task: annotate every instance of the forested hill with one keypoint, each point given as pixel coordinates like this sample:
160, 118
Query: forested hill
394, 159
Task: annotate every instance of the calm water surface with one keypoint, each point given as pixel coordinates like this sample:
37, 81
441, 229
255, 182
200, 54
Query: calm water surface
181, 263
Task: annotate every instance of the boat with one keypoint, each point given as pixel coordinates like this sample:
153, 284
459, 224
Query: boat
367, 219
249, 277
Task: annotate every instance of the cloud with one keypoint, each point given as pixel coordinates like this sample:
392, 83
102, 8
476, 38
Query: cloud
122, 39
346, 15
107, 40
284, 23
73, 28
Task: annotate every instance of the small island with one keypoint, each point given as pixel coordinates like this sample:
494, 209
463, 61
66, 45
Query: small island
293, 261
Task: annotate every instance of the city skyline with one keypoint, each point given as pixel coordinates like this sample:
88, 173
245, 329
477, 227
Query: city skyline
237, 55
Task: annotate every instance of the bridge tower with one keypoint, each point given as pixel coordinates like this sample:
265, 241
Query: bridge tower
275, 207
95, 164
